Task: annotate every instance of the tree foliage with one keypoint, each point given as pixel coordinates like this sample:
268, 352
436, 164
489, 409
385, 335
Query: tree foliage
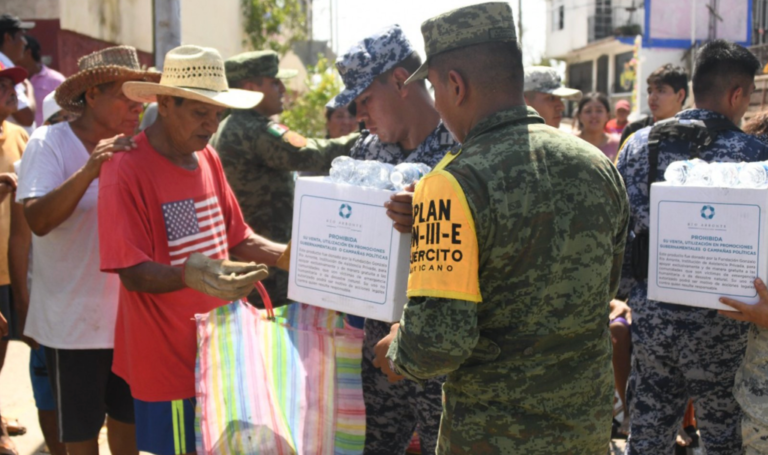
305, 111
274, 24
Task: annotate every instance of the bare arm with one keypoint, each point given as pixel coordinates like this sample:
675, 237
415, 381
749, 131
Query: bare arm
7, 184
26, 116
46, 213
259, 250
152, 278
219, 278
18, 264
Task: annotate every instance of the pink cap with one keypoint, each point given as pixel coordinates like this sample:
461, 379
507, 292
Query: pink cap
623, 104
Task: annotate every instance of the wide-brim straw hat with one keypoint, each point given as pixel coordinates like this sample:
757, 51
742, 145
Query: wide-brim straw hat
101, 67
195, 73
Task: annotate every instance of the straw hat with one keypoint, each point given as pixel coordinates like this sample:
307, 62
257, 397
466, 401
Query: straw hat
195, 73
101, 67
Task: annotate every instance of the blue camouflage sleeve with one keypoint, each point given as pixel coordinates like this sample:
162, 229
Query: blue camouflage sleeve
627, 280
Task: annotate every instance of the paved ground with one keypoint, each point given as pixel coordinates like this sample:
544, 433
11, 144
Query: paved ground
16, 402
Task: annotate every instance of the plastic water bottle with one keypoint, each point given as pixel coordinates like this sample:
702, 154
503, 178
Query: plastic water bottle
679, 172
406, 173
373, 174
754, 175
725, 175
343, 169
700, 174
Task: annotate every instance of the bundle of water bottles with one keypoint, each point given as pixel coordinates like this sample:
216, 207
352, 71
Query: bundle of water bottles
697, 172
374, 174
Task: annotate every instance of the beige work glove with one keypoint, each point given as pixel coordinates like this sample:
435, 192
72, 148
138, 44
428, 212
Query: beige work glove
221, 278
284, 261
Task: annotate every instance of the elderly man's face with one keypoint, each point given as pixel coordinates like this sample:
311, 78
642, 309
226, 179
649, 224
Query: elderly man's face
112, 109
189, 124
8, 101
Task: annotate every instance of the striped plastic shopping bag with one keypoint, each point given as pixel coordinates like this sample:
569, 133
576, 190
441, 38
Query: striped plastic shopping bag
349, 420
263, 386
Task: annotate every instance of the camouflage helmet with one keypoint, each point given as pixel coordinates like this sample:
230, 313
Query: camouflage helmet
475, 24
255, 64
546, 80
368, 59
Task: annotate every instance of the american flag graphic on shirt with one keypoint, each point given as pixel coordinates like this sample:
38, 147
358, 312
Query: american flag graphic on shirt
194, 225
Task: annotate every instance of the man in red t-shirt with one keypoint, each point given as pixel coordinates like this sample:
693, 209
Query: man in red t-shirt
168, 221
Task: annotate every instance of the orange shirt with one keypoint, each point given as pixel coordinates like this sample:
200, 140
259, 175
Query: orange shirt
13, 140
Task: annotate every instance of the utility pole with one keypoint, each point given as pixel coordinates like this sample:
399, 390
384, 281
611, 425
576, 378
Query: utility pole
167, 28
520, 21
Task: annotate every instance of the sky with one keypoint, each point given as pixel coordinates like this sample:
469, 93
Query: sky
355, 19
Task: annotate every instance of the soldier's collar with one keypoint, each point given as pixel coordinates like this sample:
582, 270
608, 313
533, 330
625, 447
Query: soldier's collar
700, 114
248, 113
512, 115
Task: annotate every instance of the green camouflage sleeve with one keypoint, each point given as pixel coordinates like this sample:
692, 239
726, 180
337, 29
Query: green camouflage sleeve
619, 268
279, 148
435, 337
293, 152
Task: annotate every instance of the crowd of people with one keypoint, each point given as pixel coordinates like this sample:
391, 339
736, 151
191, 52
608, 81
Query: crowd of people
143, 198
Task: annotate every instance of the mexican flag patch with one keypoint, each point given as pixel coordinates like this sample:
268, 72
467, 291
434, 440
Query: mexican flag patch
277, 129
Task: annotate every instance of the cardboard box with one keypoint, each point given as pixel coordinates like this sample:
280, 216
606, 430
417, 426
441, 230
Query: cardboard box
345, 254
706, 243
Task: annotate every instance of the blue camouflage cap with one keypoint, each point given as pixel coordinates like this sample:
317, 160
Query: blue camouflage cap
368, 59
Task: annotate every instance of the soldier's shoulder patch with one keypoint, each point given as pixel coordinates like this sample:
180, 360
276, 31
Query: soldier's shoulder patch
277, 129
444, 248
295, 139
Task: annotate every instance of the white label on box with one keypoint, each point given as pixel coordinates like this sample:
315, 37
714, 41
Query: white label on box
333, 254
707, 247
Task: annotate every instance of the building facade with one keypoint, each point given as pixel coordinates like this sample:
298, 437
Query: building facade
69, 29
612, 46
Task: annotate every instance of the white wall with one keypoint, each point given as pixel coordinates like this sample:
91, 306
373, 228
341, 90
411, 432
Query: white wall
203, 22
575, 34
38, 9
216, 24
118, 21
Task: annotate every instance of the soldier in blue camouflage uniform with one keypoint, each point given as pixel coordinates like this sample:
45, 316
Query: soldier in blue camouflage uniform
259, 156
686, 352
403, 126
517, 244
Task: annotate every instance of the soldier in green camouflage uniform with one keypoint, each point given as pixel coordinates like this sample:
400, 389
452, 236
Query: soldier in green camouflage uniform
517, 247
751, 381
259, 155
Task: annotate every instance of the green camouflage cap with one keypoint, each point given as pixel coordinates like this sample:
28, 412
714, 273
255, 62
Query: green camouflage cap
476, 24
255, 64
